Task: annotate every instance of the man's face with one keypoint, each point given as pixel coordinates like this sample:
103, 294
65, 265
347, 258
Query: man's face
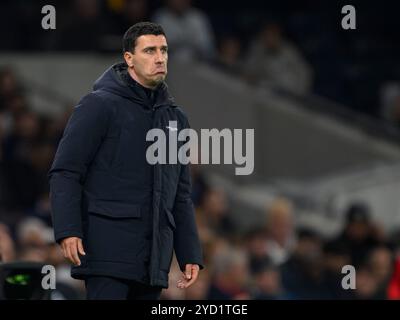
149, 59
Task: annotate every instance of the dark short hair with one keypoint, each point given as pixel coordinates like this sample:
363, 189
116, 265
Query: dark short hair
137, 30
358, 212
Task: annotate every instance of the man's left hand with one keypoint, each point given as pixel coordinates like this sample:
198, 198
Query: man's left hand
189, 276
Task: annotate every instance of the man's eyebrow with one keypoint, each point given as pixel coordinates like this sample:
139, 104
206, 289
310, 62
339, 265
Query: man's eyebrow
154, 47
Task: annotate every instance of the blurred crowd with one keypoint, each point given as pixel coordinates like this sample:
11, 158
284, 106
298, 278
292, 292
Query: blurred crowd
28, 142
276, 259
299, 47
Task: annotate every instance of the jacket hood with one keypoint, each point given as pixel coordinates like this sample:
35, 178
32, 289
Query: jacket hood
117, 80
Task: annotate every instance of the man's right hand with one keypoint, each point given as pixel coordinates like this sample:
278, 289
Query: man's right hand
71, 246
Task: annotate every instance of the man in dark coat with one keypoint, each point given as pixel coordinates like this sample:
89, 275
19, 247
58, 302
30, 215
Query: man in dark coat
117, 217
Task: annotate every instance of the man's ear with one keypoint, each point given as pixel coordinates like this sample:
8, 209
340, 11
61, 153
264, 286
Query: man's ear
128, 56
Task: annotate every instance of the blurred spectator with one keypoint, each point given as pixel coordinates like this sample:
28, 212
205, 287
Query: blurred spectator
32, 232
84, 29
229, 51
358, 235
276, 265
32, 254
302, 274
26, 131
189, 32
230, 278
35, 243
273, 61
15, 105
267, 282
366, 285
212, 246
133, 11
255, 241
25, 166
380, 265
213, 213
7, 248
9, 86
390, 102
336, 256
12, 102
280, 230
42, 209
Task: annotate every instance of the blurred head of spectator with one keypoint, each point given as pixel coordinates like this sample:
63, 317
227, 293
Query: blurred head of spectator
83, 28
358, 235
214, 213
135, 11
380, 263
215, 205
230, 275
267, 282
212, 246
358, 222
7, 247
336, 255
42, 208
86, 10
280, 221
255, 246
229, 51
274, 62
15, 105
32, 232
42, 155
280, 230
308, 247
178, 6
366, 284
18, 144
27, 126
390, 102
302, 273
8, 83
307, 253
271, 37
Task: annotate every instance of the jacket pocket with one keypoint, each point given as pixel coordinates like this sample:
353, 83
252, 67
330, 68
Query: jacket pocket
118, 232
114, 209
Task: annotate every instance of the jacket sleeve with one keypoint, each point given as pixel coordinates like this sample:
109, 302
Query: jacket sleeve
186, 240
80, 141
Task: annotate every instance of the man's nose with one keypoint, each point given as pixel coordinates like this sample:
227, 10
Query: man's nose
160, 57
